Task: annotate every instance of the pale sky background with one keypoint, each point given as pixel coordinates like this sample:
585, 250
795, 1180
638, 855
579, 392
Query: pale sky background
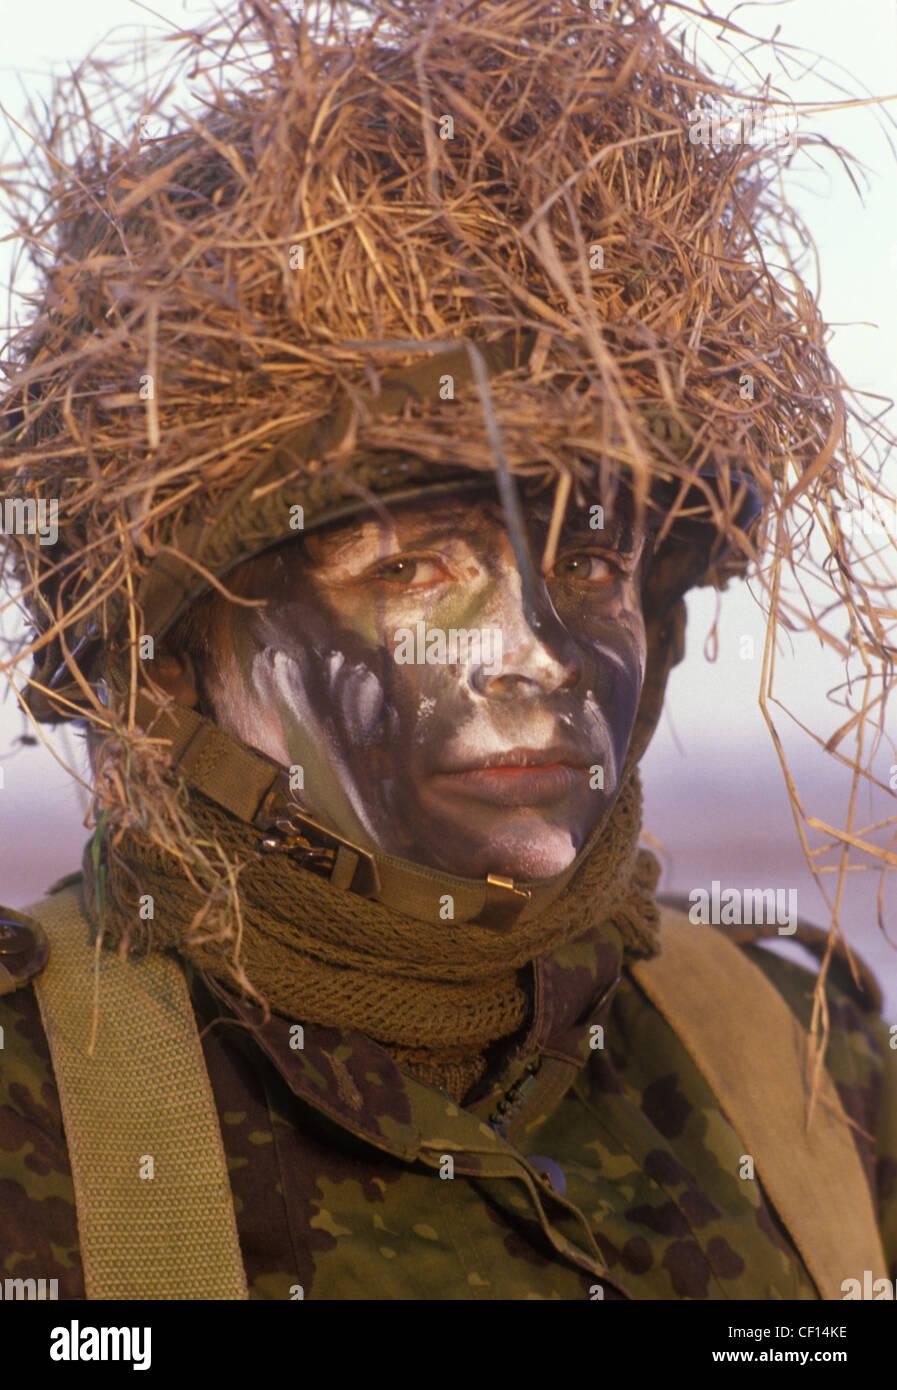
715, 794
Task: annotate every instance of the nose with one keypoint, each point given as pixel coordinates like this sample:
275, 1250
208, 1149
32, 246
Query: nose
538, 655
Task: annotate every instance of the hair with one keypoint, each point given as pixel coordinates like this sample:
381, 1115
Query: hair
201, 631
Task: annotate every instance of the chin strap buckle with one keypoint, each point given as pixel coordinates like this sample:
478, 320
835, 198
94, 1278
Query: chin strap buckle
287, 830
504, 903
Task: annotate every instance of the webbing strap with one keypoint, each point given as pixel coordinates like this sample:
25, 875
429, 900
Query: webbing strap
224, 769
753, 1052
155, 1212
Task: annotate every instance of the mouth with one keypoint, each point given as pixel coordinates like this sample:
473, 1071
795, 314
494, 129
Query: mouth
518, 777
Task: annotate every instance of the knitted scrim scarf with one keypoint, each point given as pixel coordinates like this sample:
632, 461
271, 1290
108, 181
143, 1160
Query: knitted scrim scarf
434, 996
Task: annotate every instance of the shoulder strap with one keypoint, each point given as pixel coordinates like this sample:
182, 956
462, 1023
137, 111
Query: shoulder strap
753, 1052
155, 1213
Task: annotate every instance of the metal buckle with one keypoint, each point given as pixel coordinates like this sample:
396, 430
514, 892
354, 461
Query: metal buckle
503, 905
288, 830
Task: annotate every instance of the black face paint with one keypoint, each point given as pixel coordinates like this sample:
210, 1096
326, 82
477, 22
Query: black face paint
396, 666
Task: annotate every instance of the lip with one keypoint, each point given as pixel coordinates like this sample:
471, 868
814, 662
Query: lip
557, 754
518, 777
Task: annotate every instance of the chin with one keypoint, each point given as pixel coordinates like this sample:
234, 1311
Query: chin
528, 854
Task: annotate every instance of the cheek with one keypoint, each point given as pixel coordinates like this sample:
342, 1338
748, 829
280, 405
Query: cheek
620, 656
611, 636
629, 641
354, 693
378, 699
327, 679
248, 706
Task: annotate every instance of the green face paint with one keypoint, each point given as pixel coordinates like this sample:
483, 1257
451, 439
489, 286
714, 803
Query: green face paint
396, 665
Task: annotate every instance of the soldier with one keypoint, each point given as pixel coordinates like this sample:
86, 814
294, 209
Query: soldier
368, 584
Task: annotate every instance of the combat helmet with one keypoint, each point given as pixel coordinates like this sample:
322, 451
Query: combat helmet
396, 254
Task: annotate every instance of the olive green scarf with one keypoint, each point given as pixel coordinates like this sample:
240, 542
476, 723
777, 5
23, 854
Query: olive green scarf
435, 996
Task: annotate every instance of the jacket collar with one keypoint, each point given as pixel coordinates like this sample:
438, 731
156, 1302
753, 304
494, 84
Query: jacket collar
357, 1084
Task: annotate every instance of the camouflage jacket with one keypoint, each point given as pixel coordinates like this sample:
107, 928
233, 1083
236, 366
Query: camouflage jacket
337, 1158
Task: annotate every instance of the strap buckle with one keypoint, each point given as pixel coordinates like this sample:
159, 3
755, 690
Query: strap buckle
504, 903
288, 830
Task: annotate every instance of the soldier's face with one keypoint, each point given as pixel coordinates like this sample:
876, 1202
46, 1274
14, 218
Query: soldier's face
395, 664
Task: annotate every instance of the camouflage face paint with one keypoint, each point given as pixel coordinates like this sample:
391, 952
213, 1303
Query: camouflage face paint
375, 667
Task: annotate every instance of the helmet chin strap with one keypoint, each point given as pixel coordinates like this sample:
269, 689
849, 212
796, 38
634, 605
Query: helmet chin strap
255, 789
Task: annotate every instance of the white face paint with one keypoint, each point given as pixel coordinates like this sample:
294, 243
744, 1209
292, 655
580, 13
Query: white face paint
444, 757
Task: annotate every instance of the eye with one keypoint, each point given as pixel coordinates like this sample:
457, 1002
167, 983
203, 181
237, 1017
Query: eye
584, 567
410, 572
